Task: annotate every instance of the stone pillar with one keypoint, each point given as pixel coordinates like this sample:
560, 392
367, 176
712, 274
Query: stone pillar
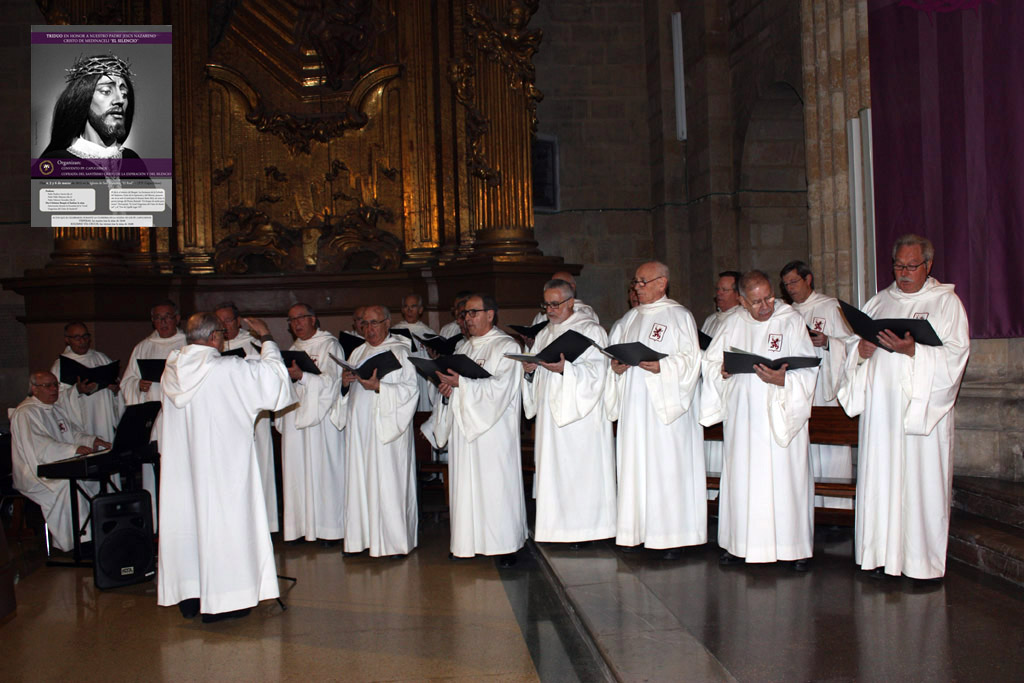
837, 87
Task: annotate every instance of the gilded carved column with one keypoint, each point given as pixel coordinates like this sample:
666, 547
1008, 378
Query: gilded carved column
837, 87
494, 83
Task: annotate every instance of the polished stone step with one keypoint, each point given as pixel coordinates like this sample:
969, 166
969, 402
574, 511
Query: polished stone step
990, 546
1002, 501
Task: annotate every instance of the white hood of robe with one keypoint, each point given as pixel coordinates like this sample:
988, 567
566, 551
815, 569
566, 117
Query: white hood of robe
186, 370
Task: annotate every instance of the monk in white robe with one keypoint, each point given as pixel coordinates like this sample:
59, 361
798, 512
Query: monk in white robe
97, 410
41, 432
574, 453
412, 311
480, 424
662, 500
727, 303
214, 540
166, 337
581, 309
822, 315
237, 337
380, 472
765, 504
312, 447
905, 402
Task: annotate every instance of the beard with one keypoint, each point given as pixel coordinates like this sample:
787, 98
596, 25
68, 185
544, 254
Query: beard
109, 129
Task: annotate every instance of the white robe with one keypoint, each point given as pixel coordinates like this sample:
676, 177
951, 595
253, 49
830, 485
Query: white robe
42, 433
480, 424
450, 330
822, 314
662, 482
765, 504
97, 413
427, 389
214, 540
264, 442
574, 452
152, 347
713, 449
313, 448
380, 469
905, 463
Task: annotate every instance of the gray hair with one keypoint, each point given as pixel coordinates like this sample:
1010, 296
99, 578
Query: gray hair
661, 269
419, 299
752, 278
166, 302
912, 240
228, 304
200, 327
565, 287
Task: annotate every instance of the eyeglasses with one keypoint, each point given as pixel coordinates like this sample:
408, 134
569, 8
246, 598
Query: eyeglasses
47, 385
374, 322
78, 337
909, 267
548, 305
636, 282
163, 318
471, 312
757, 303
300, 317
790, 283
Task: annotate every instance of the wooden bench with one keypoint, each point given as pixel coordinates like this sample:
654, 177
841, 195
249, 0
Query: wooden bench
829, 426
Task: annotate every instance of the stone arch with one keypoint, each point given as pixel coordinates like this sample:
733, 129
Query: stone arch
772, 196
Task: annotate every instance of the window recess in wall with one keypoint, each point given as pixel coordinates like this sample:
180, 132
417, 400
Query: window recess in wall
545, 173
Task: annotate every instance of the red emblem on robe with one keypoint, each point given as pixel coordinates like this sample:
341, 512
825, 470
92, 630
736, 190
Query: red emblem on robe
774, 342
818, 324
658, 332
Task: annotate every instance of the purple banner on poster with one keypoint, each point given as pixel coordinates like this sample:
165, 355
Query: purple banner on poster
102, 168
101, 38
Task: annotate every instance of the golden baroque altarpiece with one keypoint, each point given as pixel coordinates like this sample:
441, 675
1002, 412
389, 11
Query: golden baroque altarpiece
324, 136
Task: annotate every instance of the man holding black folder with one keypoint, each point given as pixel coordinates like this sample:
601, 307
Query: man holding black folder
312, 447
95, 409
575, 457
766, 503
904, 393
479, 421
662, 497
376, 415
136, 388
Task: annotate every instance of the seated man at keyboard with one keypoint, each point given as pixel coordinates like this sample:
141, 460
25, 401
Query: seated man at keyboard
41, 432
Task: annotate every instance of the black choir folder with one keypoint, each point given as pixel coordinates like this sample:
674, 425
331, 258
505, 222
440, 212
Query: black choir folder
403, 332
151, 369
632, 353
571, 343
440, 345
71, 370
460, 363
240, 352
349, 342
737, 362
867, 328
302, 359
529, 331
704, 340
384, 363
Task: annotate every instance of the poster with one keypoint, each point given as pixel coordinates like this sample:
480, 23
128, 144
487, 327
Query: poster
101, 126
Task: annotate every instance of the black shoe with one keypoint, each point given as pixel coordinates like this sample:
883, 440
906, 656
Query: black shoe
727, 558
877, 573
928, 583
455, 558
330, 543
629, 548
578, 545
507, 561
189, 608
295, 541
221, 616
671, 554
802, 565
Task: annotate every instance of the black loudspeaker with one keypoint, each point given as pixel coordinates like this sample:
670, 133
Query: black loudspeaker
122, 534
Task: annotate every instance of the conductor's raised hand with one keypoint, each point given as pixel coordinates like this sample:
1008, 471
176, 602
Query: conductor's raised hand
257, 327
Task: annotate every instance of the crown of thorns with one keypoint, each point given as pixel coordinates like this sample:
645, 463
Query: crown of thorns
94, 66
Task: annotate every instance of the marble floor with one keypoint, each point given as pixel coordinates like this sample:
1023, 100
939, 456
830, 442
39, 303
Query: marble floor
558, 615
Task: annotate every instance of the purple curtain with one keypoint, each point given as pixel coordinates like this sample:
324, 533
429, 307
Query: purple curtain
947, 107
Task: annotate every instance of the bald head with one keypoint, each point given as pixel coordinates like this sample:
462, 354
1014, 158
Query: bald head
650, 281
44, 386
